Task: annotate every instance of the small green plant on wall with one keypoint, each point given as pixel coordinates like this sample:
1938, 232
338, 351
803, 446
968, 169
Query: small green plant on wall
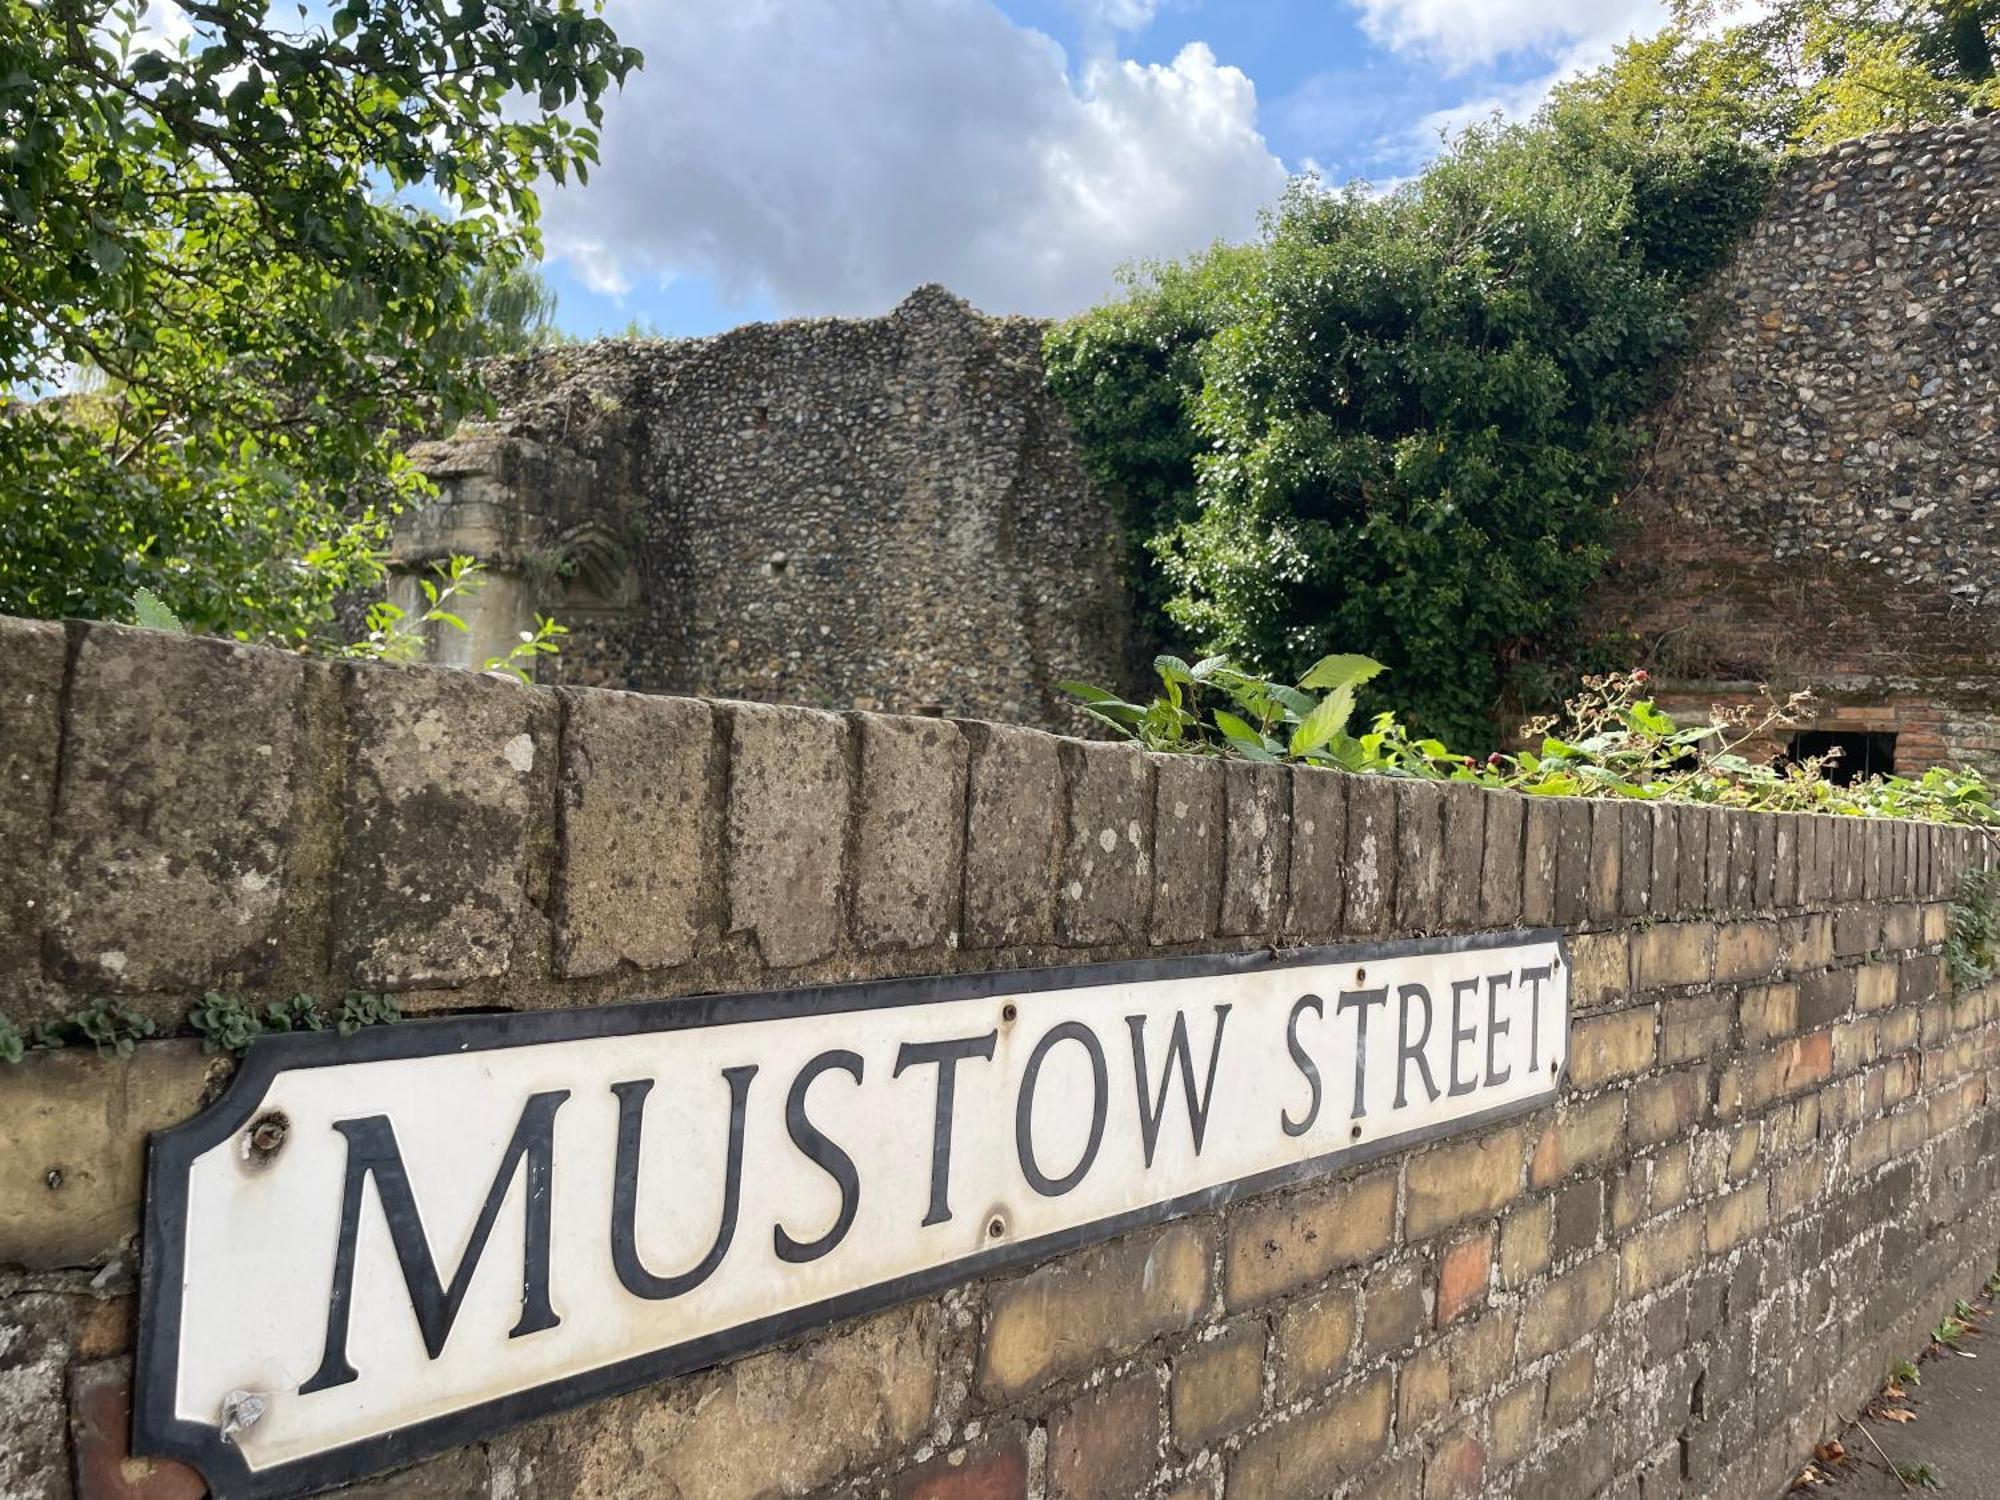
225, 1023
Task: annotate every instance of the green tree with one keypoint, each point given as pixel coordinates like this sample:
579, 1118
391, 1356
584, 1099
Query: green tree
1799, 72
1396, 425
259, 249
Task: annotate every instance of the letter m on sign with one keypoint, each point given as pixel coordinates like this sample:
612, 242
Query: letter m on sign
372, 1152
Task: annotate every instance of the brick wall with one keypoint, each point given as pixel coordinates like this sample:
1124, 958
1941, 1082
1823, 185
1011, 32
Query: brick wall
1769, 1173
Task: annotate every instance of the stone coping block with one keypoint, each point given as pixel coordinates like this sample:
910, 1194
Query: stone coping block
449, 786
175, 811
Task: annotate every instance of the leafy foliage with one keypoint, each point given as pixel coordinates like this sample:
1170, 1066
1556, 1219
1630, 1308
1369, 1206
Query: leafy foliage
1797, 72
1609, 741
224, 248
1972, 935
391, 635
1400, 422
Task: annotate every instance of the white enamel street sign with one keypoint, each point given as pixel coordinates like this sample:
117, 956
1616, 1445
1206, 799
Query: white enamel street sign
381, 1246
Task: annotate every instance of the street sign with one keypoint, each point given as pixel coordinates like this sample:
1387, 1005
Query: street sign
380, 1246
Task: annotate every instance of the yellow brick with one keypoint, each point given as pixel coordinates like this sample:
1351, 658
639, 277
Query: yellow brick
1665, 1108
1517, 1423
1423, 1390
1600, 967
1745, 950
1580, 1137
1218, 1385
1743, 1152
1875, 986
1809, 942
1569, 1307
1671, 1178
1618, 1045
1736, 1218
1572, 1384
1072, 1314
1696, 1027
1524, 1243
1660, 1253
1462, 1181
1295, 1242
1769, 1011
1315, 1450
1669, 954
1314, 1341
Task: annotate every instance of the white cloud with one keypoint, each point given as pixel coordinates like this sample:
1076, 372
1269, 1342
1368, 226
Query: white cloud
1465, 33
1511, 102
832, 154
1120, 15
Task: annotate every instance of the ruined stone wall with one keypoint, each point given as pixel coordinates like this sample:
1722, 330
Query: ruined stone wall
870, 513
1770, 1171
1819, 508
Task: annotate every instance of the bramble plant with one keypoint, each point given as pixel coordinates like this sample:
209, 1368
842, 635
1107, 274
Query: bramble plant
1610, 740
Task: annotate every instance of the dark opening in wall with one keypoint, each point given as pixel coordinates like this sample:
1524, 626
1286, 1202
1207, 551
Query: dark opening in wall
1860, 753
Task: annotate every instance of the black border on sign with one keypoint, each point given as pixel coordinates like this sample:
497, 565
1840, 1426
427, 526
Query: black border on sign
171, 1154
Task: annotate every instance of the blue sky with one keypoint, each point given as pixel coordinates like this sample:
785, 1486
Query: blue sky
798, 157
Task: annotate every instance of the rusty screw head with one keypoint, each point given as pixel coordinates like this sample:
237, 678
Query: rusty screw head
1008, 1011
996, 1226
267, 1135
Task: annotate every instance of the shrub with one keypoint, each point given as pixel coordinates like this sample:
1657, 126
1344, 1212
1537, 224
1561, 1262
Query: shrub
1400, 422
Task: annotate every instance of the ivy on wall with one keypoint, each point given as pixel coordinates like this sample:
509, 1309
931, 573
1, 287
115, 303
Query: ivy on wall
1397, 424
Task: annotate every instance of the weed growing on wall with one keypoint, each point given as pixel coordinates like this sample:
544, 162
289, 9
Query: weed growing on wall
1610, 740
113, 1029
225, 1023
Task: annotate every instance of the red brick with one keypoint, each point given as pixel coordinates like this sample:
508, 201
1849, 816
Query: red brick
1463, 1276
1457, 1466
1106, 1443
101, 1428
1000, 1473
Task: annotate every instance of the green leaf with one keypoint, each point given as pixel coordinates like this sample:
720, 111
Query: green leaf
151, 613
1348, 671
1088, 692
1326, 720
